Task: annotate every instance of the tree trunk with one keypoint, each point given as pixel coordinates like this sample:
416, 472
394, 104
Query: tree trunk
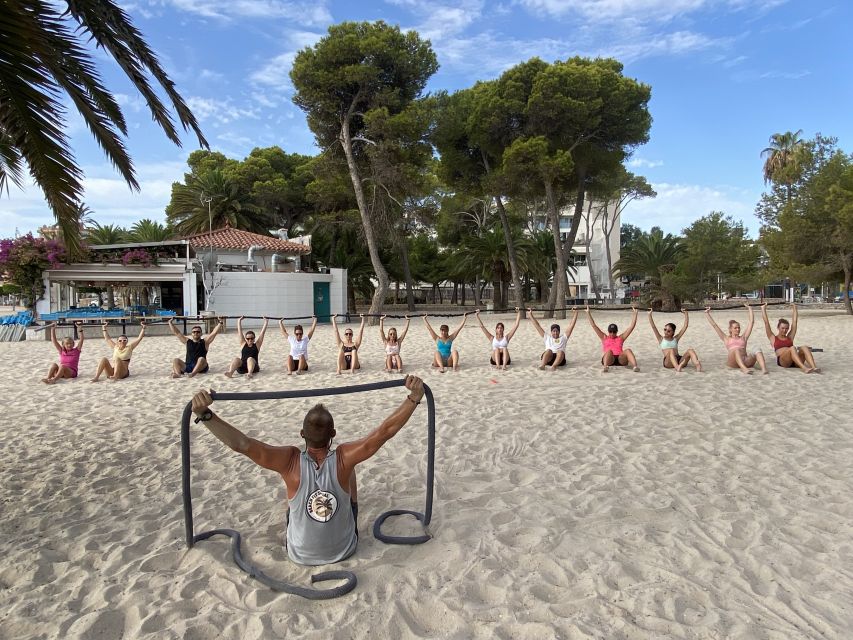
589, 231
558, 292
576, 217
611, 280
407, 273
510, 249
372, 246
463, 292
544, 290
477, 301
848, 268
351, 299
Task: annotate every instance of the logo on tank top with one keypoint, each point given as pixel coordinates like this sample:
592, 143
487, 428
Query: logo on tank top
321, 506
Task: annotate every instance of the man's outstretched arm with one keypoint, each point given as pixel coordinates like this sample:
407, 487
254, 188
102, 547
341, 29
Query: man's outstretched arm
262, 454
352, 453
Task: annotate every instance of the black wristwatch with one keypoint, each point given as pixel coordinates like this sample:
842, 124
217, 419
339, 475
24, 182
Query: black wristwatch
204, 417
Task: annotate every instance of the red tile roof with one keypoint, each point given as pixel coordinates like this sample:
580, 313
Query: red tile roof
238, 240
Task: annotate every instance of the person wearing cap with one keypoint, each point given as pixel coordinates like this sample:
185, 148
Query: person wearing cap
347, 348
612, 343
555, 343
320, 481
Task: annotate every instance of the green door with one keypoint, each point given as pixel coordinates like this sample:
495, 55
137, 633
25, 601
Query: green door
322, 304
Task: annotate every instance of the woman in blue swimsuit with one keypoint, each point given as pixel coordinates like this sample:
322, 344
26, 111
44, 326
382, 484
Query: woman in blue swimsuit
445, 355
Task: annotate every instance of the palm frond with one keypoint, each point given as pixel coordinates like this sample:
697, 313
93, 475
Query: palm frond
112, 29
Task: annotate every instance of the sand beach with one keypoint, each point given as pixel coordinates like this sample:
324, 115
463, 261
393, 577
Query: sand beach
569, 504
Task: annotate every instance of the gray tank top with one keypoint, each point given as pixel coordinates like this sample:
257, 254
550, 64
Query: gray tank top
322, 526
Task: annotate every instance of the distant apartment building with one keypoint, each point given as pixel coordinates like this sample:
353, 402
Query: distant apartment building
588, 267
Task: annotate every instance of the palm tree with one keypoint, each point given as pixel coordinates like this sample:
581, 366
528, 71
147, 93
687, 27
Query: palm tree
542, 262
782, 158
45, 51
214, 199
655, 256
148, 231
489, 251
105, 234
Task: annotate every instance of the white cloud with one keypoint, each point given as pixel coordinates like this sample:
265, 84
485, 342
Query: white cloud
663, 44
785, 75
644, 163
219, 111
642, 11
679, 205
208, 74
304, 13
275, 72
106, 193
441, 22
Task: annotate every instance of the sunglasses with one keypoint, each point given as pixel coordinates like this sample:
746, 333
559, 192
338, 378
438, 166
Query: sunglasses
347, 333
196, 331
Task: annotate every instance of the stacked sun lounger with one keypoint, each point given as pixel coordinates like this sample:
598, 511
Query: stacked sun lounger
14, 327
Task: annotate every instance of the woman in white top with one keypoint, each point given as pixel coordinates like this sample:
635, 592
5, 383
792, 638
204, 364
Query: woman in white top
669, 345
500, 341
555, 343
297, 360
393, 359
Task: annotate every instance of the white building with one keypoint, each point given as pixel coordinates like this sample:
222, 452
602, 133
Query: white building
228, 272
588, 265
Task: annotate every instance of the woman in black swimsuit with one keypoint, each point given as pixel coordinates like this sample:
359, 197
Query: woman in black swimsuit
250, 347
347, 348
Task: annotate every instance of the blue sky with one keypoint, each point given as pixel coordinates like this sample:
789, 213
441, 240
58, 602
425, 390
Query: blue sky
725, 75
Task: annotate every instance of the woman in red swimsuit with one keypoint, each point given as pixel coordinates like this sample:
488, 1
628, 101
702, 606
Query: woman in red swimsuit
787, 355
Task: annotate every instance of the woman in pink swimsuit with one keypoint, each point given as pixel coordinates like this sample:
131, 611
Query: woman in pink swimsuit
738, 357
69, 356
787, 355
613, 343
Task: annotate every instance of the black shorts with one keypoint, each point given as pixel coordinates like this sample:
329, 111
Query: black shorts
615, 362
550, 356
500, 360
244, 368
784, 366
191, 365
666, 359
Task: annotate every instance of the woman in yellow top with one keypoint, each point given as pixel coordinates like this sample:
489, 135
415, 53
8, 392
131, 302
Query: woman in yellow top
119, 368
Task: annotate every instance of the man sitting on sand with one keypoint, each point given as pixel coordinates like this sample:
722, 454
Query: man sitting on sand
320, 530
197, 347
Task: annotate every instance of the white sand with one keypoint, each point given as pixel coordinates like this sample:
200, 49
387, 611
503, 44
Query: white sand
572, 504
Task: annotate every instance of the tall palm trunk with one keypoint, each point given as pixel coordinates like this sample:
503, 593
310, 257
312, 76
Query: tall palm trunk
372, 246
